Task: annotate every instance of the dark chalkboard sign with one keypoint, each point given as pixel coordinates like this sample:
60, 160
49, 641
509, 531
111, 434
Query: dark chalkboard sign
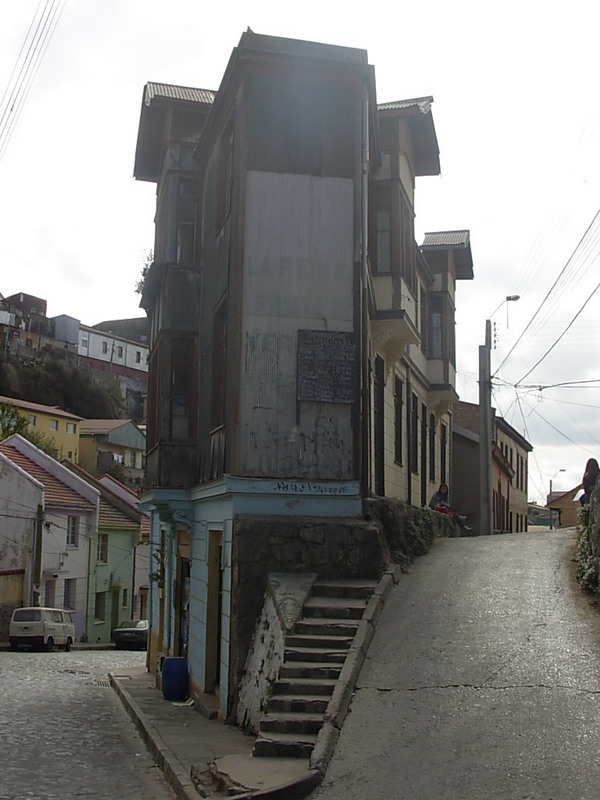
326, 366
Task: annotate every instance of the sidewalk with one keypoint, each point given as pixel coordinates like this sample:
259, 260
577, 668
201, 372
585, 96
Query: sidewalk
219, 757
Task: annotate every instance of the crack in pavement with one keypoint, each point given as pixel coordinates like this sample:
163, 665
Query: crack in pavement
481, 687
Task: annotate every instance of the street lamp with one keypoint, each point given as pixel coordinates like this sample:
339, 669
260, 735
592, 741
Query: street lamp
552, 478
510, 298
485, 423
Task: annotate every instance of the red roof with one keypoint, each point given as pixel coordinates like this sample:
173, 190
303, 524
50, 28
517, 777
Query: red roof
56, 492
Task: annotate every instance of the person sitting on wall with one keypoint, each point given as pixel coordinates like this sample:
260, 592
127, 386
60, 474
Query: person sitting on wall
590, 476
440, 502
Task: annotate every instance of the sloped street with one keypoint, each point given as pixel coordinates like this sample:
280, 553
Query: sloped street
482, 680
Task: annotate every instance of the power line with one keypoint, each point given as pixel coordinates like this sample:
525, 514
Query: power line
35, 44
551, 348
549, 293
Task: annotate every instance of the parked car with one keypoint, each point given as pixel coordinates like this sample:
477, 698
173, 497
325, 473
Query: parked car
41, 628
131, 633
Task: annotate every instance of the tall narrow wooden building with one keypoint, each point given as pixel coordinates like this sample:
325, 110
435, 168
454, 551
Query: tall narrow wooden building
302, 344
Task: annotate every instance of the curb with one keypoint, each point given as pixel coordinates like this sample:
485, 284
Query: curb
177, 779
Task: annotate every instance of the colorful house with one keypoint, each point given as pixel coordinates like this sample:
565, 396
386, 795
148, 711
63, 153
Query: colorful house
112, 563
59, 514
113, 444
61, 427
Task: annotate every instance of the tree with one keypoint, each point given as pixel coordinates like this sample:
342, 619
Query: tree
12, 421
147, 263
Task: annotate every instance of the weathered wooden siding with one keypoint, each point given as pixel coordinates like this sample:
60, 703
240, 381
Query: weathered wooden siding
298, 274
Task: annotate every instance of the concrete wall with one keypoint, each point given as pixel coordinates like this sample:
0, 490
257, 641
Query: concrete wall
262, 666
60, 563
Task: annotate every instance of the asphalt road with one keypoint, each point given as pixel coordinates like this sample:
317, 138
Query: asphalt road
482, 681
64, 733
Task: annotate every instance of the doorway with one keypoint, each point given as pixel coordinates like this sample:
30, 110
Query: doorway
214, 594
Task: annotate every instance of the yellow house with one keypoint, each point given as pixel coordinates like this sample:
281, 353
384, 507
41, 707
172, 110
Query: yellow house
564, 507
60, 426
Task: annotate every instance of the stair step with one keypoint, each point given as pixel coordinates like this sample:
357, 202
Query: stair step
314, 670
289, 703
289, 745
291, 722
324, 626
313, 659
304, 686
339, 608
318, 654
320, 641
344, 588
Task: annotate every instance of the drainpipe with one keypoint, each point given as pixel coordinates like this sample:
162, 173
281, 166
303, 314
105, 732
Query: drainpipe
135, 547
88, 589
169, 583
364, 347
409, 437
37, 557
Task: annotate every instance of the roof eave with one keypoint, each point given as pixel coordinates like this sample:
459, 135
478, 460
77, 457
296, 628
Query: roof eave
417, 112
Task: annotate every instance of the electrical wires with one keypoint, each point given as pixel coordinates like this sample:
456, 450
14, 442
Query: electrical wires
33, 49
579, 263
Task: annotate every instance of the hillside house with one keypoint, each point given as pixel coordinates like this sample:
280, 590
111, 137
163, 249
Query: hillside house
141, 553
113, 444
563, 507
61, 427
57, 520
112, 564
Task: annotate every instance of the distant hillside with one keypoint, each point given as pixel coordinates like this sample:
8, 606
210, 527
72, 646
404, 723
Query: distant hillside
55, 380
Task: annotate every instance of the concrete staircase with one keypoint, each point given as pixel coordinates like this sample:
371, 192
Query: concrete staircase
313, 659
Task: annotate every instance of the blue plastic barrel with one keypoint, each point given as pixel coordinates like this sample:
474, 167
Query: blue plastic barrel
174, 679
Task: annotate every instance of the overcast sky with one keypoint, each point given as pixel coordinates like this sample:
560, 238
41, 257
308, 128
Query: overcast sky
517, 119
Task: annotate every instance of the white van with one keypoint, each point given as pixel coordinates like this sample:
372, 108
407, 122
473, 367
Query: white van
41, 628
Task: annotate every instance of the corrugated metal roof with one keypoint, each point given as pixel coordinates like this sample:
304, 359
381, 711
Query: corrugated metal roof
186, 93
446, 239
56, 492
422, 103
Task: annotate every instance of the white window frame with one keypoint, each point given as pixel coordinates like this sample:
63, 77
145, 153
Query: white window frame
73, 531
102, 551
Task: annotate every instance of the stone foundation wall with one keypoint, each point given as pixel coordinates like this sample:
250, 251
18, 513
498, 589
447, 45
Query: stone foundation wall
409, 532
332, 548
391, 532
588, 545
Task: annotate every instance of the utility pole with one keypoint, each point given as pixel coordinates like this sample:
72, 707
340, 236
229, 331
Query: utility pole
485, 433
37, 557
485, 422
